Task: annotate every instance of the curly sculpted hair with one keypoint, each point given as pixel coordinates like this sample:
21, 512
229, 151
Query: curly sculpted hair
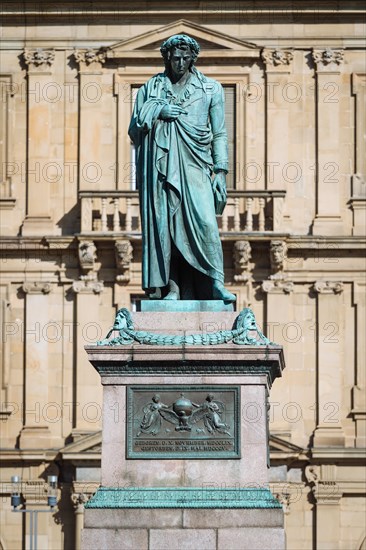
181, 41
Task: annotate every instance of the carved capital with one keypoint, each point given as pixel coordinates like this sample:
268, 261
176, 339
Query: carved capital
328, 287
87, 286
90, 56
242, 254
36, 287
39, 57
81, 493
276, 57
323, 485
78, 500
123, 252
328, 56
284, 498
278, 286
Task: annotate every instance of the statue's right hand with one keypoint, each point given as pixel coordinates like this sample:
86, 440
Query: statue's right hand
171, 112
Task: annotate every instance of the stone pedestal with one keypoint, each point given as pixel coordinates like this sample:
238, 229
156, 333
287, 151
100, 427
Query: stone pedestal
192, 479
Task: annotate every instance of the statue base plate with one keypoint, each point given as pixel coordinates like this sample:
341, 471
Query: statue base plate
186, 305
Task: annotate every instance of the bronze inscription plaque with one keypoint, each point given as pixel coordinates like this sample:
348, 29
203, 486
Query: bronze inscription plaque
183, 422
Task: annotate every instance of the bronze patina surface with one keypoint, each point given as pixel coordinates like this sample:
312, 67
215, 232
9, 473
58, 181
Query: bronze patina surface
183, 422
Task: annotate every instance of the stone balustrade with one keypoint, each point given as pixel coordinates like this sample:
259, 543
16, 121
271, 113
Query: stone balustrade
118, 211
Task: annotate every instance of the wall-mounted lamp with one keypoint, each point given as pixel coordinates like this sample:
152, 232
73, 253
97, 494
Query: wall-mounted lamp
15, 491
52, 491
33, 514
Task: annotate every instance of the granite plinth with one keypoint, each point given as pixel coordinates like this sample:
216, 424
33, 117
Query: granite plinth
166, 487
178, 529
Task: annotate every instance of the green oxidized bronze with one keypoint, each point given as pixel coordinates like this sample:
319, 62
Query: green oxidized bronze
246, 332
183, 422
178, 130
182, 497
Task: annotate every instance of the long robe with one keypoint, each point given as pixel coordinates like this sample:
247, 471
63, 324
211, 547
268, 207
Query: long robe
174, 165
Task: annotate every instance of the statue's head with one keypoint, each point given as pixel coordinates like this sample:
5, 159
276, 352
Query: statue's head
156, 398
246, 320
123, 319
180, 53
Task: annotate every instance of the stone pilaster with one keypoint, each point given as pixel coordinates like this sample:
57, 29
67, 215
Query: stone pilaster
327, 495
329, 431
81, 493
38, 219
95, 171
88, 394
328, 170
358, 198
278, 315
278, 69
35, 433
359, 389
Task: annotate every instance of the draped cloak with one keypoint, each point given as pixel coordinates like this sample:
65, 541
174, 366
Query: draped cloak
174, 164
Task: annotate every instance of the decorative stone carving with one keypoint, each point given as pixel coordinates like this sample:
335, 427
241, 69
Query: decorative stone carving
242, 254
327, 56
90, 56
328, 287
278, 255
87, 260
277, 57
246, 332
284, 497
79, 499
36, 287
278, 286
39, 57
85, 286
87, 254
123, 252
323, 486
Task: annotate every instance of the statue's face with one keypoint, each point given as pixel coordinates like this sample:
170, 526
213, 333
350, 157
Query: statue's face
180, 61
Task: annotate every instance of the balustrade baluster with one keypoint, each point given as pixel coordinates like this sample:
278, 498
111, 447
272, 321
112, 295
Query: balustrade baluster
249, 220
237, 214
128, 215
104, 214
116, 224
261, 217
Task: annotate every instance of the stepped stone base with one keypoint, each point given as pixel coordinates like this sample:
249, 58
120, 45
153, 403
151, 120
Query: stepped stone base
169, 499
167, 529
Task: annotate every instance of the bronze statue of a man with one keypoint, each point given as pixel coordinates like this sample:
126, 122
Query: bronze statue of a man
178, 129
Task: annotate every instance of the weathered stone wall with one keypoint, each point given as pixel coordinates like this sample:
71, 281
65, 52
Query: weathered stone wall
293, 237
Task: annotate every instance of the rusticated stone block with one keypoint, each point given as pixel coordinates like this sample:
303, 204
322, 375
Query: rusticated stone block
194, 519
251, 538
116, 519
115, 539
186, 539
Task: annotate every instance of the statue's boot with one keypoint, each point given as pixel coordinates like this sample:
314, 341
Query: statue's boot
220, 293
174, 293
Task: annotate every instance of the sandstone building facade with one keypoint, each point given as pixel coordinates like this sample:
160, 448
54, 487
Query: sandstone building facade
293, 236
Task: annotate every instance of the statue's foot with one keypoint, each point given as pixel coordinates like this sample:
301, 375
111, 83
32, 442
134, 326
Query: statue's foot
172, 295
220, 293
